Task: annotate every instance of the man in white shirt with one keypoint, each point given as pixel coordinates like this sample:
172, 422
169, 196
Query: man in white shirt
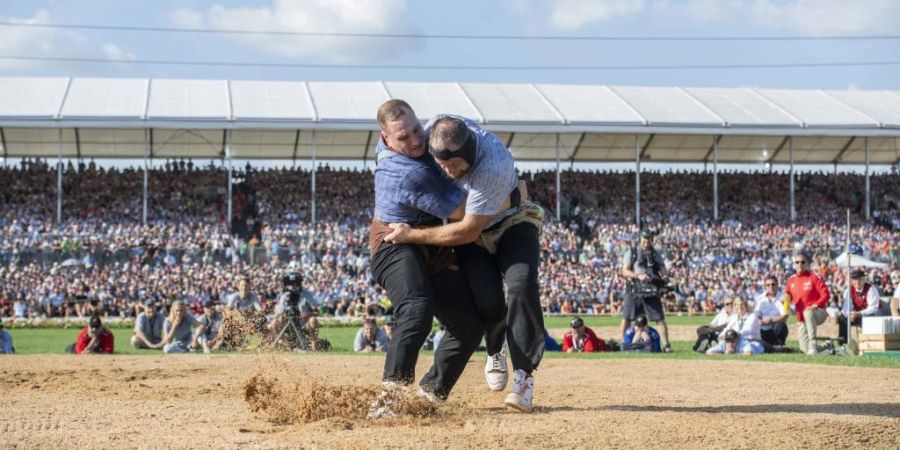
861, 299
770, 309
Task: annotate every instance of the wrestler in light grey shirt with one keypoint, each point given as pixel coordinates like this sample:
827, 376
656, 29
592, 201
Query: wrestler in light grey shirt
491, 178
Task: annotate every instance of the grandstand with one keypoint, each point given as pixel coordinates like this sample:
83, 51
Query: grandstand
231, 119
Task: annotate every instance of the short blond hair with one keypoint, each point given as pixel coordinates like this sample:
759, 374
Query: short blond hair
392, 110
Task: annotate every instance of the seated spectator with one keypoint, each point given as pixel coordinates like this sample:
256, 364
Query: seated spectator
861, 299
770, 310
641, 337
708, 335
582, 339
746, 324
6, 341
389, 324
148, 327
895, 303
177, 335
370, 338
94, 338
207, 335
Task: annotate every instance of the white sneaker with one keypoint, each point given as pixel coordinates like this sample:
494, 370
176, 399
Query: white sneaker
811, 351
430, 396
523, 391
496, 372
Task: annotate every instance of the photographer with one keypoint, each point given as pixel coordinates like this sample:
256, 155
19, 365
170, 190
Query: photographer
641, 337
742, 334
370, 338
298, 303
645, 271
6, 341
94, 338
582, 339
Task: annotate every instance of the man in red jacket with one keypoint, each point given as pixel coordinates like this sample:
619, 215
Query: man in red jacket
810, 294
94, 338
582, 339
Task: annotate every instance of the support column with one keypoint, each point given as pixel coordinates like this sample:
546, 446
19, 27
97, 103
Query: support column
230, 174
793, 206
868, 186
146, 162
558, 183
637, 180
59, 180
313, 204
715, 179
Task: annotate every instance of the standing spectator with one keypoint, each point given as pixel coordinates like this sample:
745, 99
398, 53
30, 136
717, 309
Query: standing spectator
148, 327
94, 338
582, 339
370, 338
6, 341
177, 329
770, 309
810, 295
861, 299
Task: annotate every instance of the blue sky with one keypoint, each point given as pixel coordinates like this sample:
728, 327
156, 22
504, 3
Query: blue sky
516, 17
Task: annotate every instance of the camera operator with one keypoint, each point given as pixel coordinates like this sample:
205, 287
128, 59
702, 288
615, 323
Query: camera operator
645, 271
370, 338
298, 303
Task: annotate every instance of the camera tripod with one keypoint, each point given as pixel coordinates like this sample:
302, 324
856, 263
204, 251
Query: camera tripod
293, 323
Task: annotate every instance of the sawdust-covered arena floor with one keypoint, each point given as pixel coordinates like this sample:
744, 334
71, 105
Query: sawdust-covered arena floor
263, 401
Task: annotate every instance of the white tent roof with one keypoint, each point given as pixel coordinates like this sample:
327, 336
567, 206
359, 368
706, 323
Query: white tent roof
270, 119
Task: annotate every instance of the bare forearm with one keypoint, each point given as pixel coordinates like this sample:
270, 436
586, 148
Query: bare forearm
456, 233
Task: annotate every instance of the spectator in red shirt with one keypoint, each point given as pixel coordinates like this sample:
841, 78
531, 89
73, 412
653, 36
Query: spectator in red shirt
810, 296
582, 339
94, 338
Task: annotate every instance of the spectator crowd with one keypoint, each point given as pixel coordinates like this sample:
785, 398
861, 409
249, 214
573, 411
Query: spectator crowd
102, 259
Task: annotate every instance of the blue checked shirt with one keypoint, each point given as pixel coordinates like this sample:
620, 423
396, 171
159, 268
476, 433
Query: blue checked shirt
412, 190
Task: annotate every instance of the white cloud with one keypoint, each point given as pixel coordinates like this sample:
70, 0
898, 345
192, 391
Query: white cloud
337, 16
49, 42
187, 18
112, 51
804, 17
574, 14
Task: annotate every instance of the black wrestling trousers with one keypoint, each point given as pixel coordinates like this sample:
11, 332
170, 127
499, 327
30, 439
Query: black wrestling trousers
400, 270
516, 263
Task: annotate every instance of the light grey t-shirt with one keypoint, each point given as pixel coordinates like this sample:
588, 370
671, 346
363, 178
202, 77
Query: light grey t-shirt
633, 261
381, 340
251, 303
492, 177
152, 327
183, 333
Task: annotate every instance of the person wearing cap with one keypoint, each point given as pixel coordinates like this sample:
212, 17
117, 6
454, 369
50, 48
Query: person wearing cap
389, 324
6, 341
94, 338
582, 339
861, 299
643, 266
641, 337
810, 295
496, 243
148, 327
207, 335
